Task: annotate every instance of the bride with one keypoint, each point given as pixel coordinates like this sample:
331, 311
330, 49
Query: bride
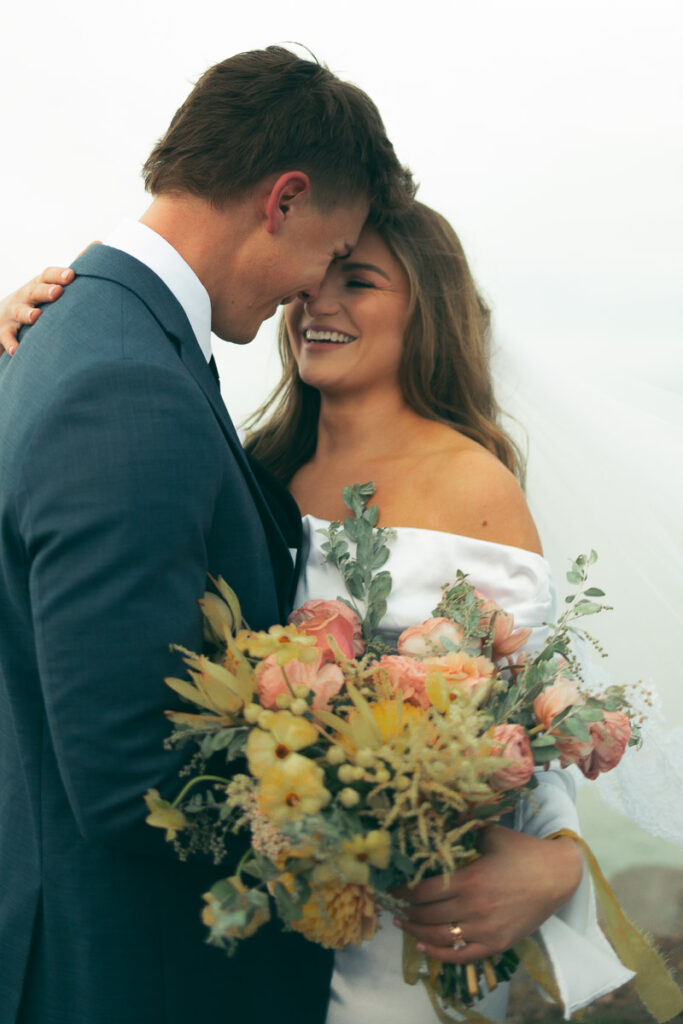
386, 378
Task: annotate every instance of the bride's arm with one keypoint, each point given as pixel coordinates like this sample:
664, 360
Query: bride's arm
21, 307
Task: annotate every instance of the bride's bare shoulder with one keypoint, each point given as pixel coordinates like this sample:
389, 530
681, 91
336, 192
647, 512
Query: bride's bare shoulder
475, 495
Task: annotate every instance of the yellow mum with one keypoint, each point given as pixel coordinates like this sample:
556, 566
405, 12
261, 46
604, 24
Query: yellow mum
338, 915
286, 733
291, 789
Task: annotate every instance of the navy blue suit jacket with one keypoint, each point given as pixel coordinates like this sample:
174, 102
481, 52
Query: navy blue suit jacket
122, 484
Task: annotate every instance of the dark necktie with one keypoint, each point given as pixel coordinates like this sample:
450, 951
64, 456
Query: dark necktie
214, 371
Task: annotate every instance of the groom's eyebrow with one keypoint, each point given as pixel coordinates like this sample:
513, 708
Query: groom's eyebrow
367, 266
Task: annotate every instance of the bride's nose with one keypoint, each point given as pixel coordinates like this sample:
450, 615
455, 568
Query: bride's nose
321, 300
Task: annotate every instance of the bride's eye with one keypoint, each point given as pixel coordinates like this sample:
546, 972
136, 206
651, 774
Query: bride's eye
353, 283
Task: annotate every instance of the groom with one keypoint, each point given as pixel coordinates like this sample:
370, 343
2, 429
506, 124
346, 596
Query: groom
122, 484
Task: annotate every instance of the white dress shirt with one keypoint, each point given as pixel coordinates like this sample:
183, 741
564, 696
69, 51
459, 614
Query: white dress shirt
144, 244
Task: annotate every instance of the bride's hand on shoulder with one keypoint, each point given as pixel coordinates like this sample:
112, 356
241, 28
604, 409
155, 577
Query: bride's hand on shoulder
21, 307
516, 885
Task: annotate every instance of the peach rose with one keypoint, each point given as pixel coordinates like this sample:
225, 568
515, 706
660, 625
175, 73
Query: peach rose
324, 679
465, 673
512, 743
325, 619
407, 676
424, 640
563, 693
506, 639
610, 738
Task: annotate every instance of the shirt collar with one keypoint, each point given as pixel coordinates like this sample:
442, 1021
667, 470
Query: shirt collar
144, 244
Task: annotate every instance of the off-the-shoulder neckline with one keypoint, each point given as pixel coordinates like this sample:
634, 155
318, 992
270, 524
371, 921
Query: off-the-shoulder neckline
476, 541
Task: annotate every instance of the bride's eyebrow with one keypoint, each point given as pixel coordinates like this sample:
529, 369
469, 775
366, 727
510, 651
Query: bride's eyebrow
365, 266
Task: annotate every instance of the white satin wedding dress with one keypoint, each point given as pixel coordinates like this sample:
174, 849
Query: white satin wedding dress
367, 984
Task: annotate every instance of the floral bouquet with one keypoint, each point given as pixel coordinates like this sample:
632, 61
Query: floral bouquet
356, 766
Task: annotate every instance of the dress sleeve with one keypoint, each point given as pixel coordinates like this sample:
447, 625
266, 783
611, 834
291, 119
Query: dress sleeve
584, 964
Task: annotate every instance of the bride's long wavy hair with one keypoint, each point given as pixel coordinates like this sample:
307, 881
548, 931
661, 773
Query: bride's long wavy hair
445, 370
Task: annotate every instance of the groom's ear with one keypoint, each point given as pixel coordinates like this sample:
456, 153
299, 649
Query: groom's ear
287, 192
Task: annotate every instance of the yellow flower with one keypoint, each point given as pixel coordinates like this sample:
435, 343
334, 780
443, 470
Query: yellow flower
286, 642
392, 718
286, 733
164, 815
353, 863
292, 788
213, 687
373, 848
337, 914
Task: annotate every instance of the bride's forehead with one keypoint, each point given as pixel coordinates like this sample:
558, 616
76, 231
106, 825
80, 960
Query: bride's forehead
370, 241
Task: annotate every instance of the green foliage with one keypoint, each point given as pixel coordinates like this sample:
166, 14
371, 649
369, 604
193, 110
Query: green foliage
231, 740
367, 587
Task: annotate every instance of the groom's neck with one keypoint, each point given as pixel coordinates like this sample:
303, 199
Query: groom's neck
208, 238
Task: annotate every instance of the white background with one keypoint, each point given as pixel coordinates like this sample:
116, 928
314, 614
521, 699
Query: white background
548, 132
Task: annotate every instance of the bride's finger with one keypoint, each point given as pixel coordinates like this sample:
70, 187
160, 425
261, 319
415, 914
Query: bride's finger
442, 936
54, 275
8, 339
466, 955
443, 912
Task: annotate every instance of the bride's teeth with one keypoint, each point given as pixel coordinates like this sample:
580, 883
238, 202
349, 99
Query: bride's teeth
330, 336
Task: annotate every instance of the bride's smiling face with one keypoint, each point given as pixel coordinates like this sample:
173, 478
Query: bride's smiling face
349, 336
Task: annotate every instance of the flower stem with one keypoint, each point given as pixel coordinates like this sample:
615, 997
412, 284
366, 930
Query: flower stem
193, 782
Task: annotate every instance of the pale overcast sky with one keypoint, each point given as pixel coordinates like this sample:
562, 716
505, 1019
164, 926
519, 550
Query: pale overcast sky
548, 132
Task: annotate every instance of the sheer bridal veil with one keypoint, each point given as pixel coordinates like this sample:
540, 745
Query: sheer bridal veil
605, 439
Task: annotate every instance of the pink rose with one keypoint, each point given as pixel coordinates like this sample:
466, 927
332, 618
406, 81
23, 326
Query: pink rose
466, 673
407, 676
572, 750
610, 738
325, 619
512, 743
425, 640
506, 639
325, 680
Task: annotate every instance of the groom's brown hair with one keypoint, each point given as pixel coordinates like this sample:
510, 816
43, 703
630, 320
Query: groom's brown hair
269, 111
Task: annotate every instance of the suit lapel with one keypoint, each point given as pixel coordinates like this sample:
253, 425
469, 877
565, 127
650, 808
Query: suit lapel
113, 265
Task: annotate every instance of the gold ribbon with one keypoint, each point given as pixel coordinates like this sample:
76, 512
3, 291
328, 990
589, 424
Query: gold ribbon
656, 988
654, 984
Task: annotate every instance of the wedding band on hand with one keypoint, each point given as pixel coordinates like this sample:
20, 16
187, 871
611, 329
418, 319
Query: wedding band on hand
456, 932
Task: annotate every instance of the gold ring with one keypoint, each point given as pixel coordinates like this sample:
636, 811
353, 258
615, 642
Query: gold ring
456, 932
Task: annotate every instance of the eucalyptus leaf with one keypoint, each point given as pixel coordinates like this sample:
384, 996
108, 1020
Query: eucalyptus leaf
573, 726
543, 754
588, 608
224, 891
287, 906
372, 514
589, 714
543, 740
